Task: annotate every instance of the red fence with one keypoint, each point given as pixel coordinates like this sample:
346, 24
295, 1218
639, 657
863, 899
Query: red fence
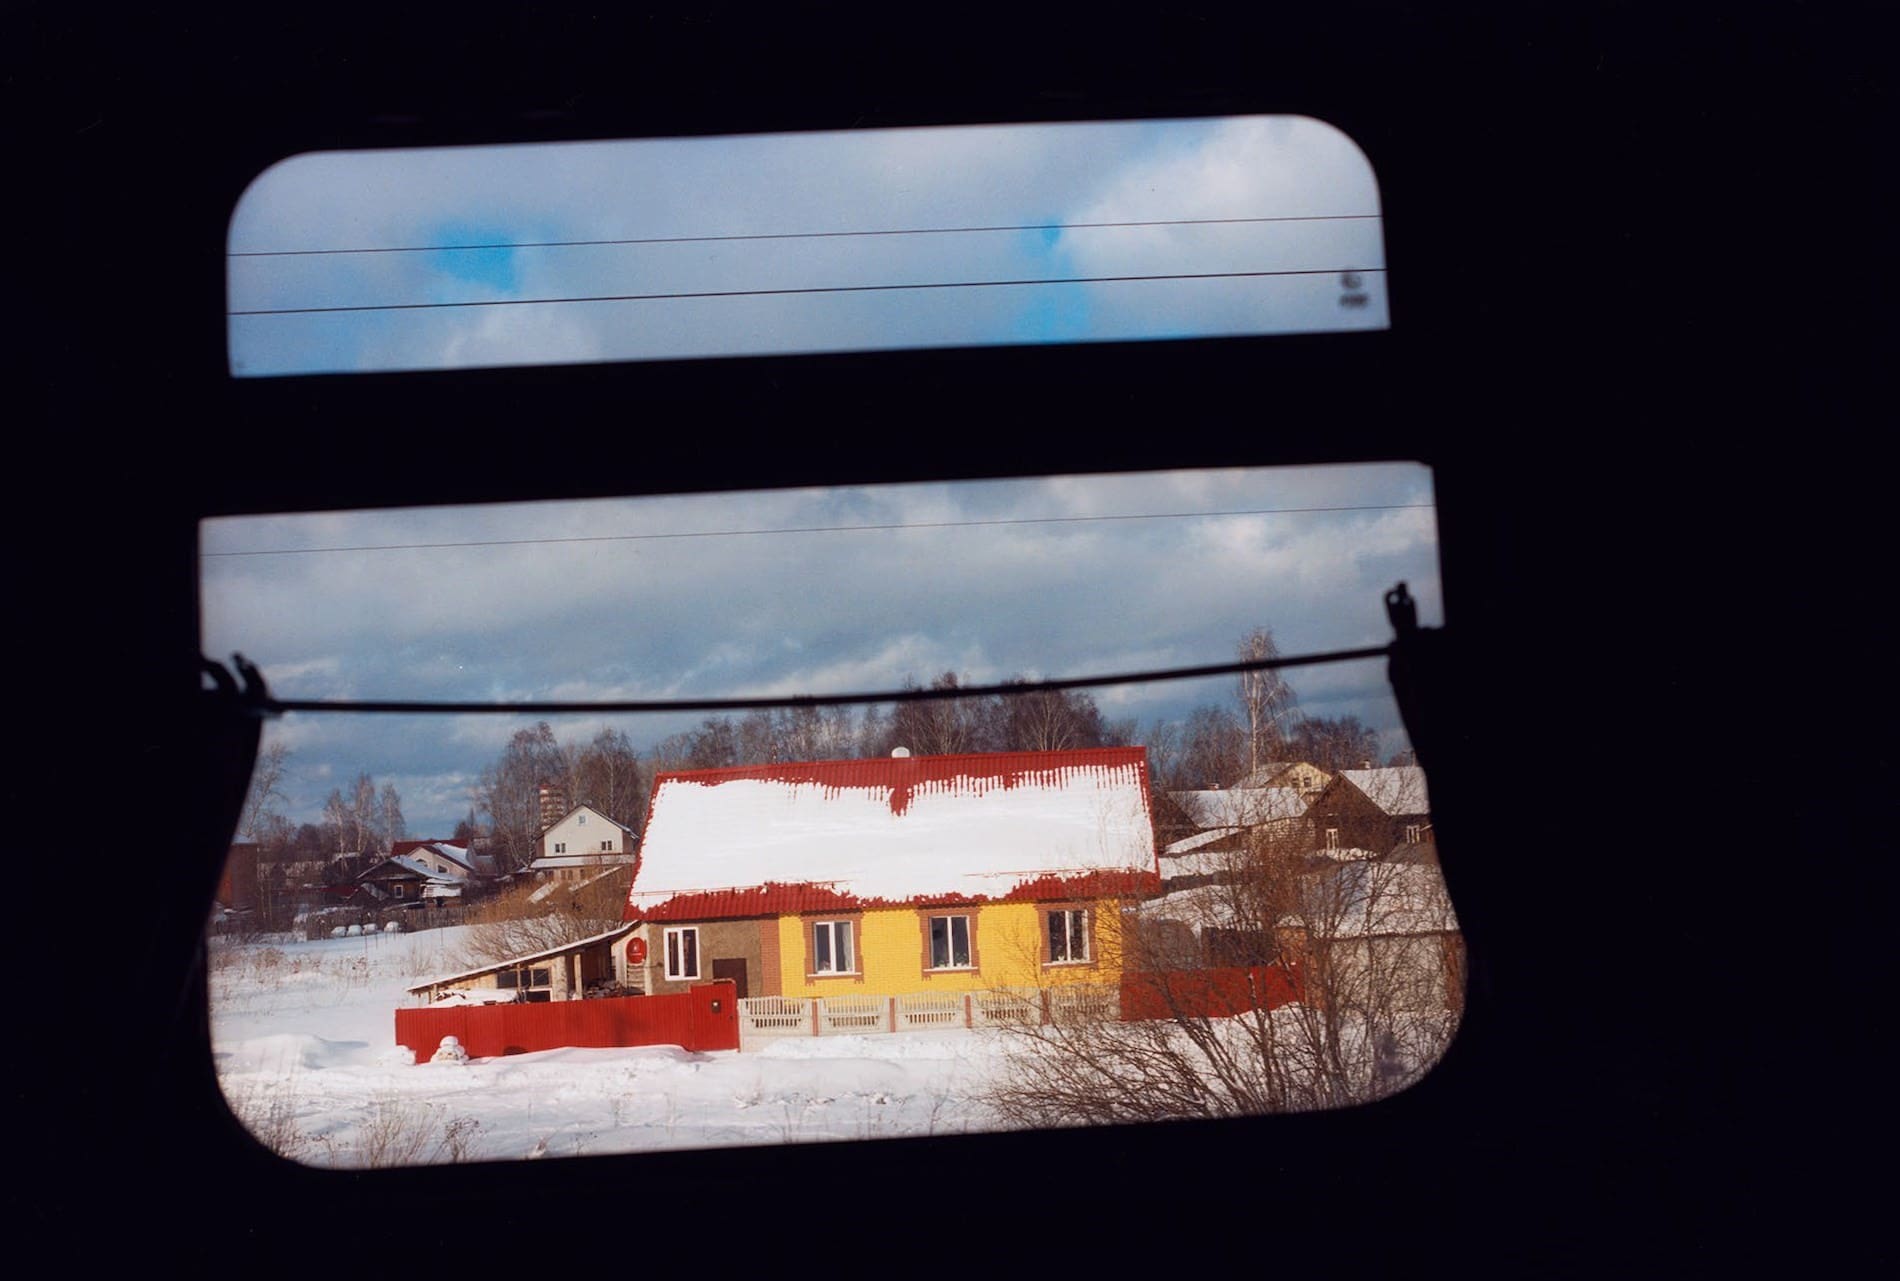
1214, 994
704, 1018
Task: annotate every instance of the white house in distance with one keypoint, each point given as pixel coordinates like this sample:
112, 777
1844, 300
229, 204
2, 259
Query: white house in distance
581, 845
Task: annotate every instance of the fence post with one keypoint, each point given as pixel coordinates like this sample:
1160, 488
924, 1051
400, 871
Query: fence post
969, 1020
1043, 995
815, 1002
890, 1010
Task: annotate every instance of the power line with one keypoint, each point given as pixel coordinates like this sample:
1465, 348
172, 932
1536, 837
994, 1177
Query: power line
810, 289
793, 235
275, 706
822, 529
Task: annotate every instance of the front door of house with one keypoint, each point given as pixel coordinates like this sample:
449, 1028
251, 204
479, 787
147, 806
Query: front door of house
734, 970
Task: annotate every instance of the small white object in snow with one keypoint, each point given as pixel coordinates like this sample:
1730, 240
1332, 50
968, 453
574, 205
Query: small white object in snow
450, 1051
392, 927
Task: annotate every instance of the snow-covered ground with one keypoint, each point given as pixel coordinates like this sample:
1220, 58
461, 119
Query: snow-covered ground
303, 1035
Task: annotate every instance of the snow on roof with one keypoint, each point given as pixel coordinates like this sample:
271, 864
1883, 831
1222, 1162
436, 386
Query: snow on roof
891, 829
1398, 789
605, 818
1194, 842
553, 862
1376, 898
463, 996
605, 936
454, 851
410, 863
1201, 907
1352, 900
1241, 806
1266, 773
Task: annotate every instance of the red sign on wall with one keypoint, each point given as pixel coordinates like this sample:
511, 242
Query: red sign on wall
636, 951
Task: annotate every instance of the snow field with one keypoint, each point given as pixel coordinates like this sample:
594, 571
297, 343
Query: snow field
303, 1039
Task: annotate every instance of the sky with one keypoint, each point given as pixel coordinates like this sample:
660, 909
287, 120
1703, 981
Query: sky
801, 591
709, 595
784, 243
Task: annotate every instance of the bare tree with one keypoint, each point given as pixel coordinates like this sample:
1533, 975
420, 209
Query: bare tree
509, 792
1335, 743
1213, 751
1050, 721
389, 820
266, 794
1266, 700
941, 727
534, 919
607, 776
1286, 982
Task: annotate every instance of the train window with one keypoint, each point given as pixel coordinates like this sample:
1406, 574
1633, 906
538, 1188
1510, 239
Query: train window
397, 875
893, 239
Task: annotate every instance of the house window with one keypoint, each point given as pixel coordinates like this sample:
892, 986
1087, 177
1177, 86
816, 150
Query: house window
1332, 838
396, 889
581, 819
682, 953
1068, 934
1411, 833
949, 942
831, 950
606, 845
560, 847
540, 976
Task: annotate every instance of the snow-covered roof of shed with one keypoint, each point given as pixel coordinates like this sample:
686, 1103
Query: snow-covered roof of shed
605, 936
1379, 898
1241, 806
410, 863
554, 862
1397, 789
1188, 844
899, 829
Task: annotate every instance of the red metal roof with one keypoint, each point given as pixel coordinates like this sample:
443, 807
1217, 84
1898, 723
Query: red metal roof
901, 774
900, 777
805, 899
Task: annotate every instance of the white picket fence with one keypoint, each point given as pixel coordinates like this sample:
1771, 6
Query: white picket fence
775, 1016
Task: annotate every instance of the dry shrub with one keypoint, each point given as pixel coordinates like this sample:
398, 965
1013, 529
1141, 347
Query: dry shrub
517, 924
404, 1132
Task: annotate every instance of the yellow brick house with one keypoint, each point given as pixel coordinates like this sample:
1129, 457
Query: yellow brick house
893, 876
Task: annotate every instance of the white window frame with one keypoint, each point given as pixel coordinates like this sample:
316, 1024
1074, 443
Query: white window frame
843, 948
674, 948
950, 942
1413, 832
1075, 928
1332, 838
560, 847
606, 846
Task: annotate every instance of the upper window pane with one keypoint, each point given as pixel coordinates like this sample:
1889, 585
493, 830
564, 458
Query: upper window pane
769, 244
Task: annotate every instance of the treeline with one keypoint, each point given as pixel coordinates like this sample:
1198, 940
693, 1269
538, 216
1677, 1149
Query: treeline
363, 818
1214, 745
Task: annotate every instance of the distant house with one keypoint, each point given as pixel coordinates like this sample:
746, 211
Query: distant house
1368, 812
894, 875
420, 871
1303, 777
582, 842
1382, 934
1226, 824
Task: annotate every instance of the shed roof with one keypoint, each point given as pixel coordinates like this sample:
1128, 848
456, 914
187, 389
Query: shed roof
1241, 806
1396, 789
605, 936
827, 835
